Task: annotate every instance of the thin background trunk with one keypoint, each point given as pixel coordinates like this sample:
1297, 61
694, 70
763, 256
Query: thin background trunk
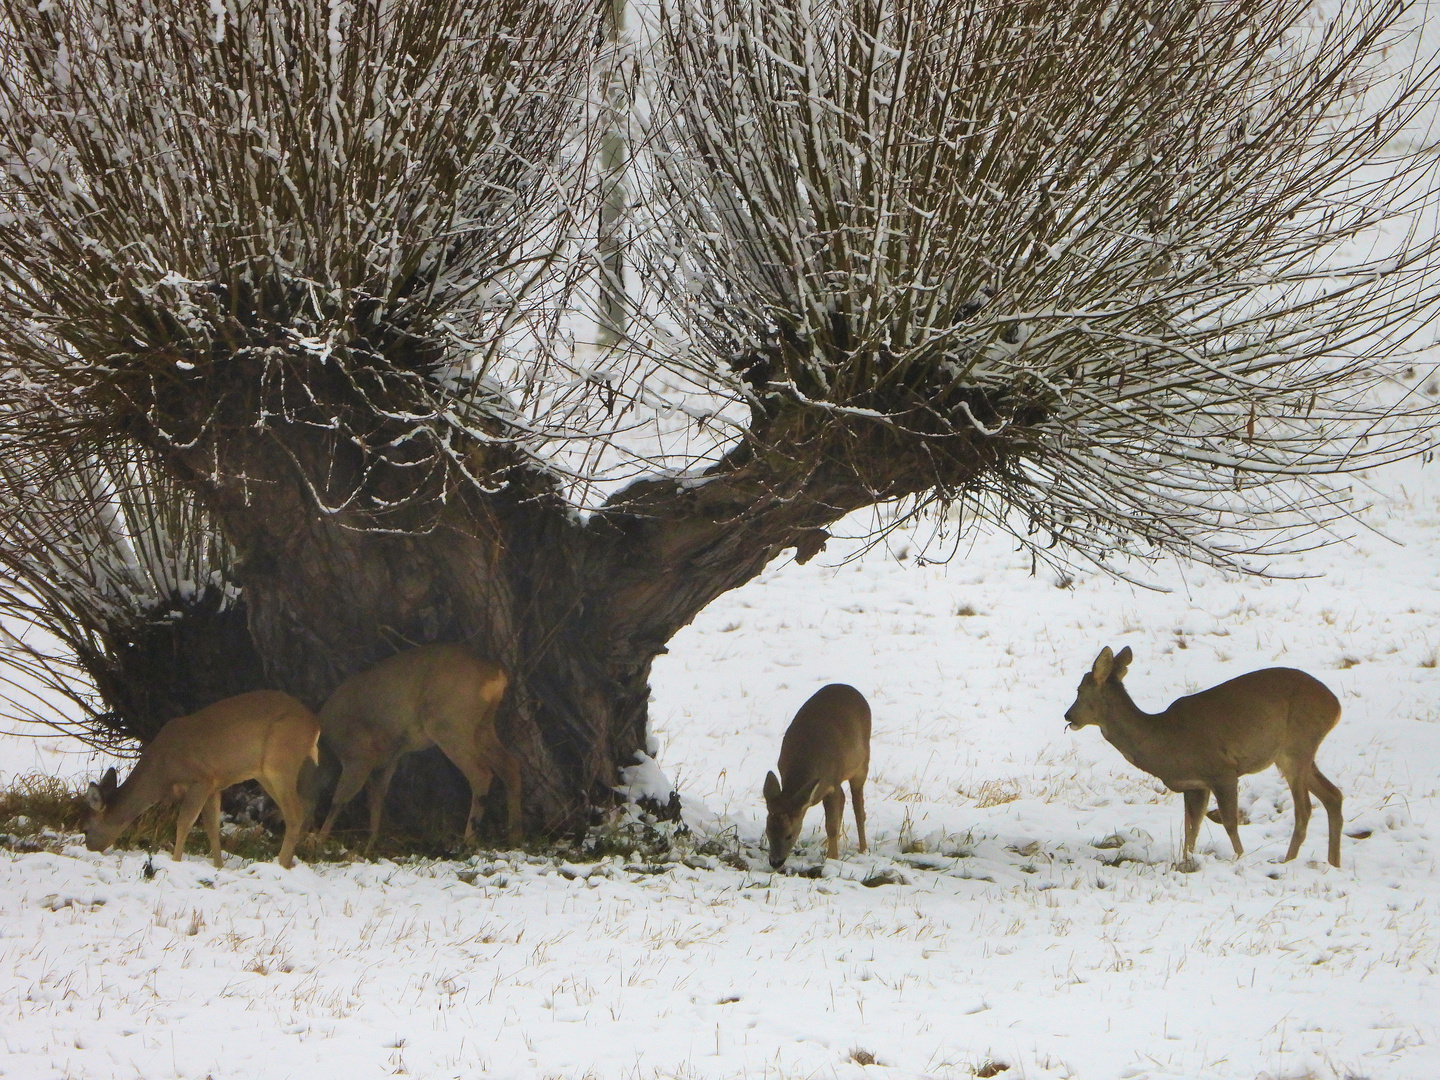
614, 161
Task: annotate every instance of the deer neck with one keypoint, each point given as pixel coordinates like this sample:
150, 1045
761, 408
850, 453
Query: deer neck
1129, 729
142, 789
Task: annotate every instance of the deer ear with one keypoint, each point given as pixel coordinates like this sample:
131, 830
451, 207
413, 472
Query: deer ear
1103, 663
772, 787
1122, 663
109, 782
95, 798
810, 795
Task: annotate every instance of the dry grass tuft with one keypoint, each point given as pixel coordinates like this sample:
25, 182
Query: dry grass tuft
35, 804
993, 792
43, 813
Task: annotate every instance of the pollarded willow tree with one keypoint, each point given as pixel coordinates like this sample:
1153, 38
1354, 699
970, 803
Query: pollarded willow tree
288, 297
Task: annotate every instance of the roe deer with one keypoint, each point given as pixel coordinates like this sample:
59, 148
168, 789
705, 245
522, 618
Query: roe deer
1207, 741
436, 695
826, 744
263, 735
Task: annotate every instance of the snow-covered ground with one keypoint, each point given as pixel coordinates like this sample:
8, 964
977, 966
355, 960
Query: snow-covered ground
1039, 920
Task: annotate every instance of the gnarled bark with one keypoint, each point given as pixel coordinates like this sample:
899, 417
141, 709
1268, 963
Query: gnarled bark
576, 610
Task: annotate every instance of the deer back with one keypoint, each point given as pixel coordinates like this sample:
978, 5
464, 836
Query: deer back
1238, 727
1255, 719
415, 698
828, 741
260, 733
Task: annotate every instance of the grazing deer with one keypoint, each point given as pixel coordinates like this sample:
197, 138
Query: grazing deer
826, 744
1207, 741
436, 695
263, 735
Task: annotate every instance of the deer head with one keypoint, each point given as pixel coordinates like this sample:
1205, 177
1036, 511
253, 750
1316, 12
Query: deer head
99, 832
1092, 701
784, 816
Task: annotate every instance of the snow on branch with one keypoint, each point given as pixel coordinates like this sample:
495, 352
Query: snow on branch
261, 214
1107, 271
1148, 261
96, 549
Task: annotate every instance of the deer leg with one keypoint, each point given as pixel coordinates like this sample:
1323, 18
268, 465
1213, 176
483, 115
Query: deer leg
480, 780
375, 790
1196, 800
353, 776
190, 806
1330, 797
508, 767
307, 782
481, 765
834, 821
1227, 798
857, 804
211, 817
295, 809
1300, 795
473, 762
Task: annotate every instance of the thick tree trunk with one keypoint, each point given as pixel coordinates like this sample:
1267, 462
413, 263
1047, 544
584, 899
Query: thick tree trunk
576, 709
576, 610
538, 596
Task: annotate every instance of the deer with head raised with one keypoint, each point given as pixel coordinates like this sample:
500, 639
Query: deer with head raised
827, 744
1205, 742
436, 695
263, 735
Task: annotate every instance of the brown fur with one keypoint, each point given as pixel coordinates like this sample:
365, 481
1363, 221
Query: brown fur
827, 744
436, 695
263, 735
1205, 742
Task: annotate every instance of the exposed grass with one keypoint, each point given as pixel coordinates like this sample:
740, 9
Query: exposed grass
992, 793
348, 845
44, 813
35, 803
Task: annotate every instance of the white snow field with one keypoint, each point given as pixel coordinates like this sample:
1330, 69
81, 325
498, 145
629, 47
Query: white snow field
1036, 919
